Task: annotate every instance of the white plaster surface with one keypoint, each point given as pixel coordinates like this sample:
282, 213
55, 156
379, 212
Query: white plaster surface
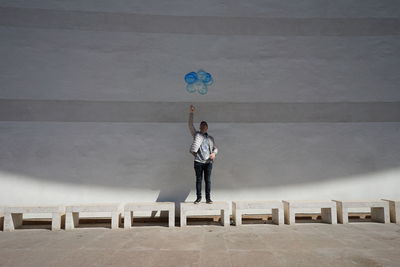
69, 162
253, 69
270, 8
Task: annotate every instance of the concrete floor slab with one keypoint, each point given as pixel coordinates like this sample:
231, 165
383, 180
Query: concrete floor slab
361, 244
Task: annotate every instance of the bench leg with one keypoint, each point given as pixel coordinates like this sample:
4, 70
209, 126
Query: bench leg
115, 220
342, 214
290, 214
12, 221
171, 218
380, 214
183, 219
237, 217
328, 215
394, 212
71, 220
292, 217
128, 219
1, 222
225, 218
277, 216
56, 221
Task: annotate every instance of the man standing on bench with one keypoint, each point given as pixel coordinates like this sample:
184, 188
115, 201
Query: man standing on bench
204, 150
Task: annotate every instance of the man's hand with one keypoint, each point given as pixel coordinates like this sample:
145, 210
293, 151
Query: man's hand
192, 108
212, 156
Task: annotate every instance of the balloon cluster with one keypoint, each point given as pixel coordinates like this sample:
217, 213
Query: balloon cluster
198, 81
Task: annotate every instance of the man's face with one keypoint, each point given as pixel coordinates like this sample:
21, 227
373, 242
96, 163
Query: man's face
203, 128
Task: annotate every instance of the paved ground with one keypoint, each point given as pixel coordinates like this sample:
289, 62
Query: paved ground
306, 244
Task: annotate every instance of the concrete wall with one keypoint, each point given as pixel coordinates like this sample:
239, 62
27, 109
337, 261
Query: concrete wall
93, 106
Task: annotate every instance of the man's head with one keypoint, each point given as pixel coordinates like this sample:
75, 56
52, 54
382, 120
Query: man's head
203, 127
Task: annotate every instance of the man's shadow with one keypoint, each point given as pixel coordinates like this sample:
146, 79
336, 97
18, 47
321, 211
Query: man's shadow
174, 189
176, 194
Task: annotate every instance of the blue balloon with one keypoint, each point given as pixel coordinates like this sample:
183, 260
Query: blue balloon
198, 85
208, 80
207, 77
191, 77
202, 89
198, 81
190, 88
201, 74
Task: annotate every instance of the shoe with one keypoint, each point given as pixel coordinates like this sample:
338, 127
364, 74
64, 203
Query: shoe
209, 201
197, 200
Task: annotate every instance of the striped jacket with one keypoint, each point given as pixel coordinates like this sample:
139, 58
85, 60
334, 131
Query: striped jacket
198, 138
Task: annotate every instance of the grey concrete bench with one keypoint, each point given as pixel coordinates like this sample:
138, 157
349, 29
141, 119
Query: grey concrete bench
13, 216
328, 210
394, 207
72, 214
189, 208
129, 209
248, 207
379, 209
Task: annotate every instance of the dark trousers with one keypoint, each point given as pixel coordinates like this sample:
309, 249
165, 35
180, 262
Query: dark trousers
201, 168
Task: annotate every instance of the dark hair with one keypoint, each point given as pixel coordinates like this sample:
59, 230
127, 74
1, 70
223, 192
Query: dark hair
204, 122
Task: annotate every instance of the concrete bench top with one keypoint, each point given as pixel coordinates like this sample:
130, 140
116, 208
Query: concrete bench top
34, 209
257, 204
96, 207
390, 200
149, 205
310, 203
359, 201
362, 203
204, 206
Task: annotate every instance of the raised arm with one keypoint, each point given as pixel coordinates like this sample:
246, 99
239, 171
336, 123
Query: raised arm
190, 122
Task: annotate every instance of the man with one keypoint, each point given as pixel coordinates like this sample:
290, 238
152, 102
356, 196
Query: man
204, 150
